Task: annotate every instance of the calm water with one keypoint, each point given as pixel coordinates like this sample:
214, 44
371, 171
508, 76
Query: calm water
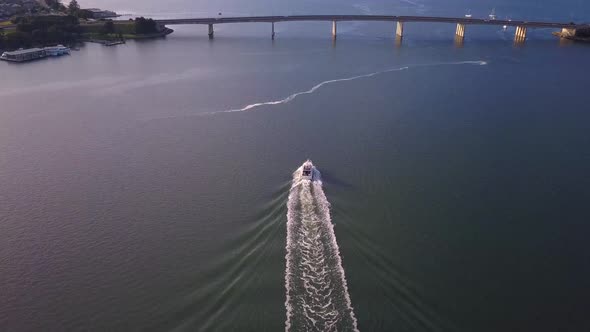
457, 176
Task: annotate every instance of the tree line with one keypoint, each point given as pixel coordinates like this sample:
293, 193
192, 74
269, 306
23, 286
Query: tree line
64, 29
41, 30
145, 26
583, 32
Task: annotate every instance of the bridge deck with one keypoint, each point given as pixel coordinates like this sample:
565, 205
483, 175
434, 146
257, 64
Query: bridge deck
383, 18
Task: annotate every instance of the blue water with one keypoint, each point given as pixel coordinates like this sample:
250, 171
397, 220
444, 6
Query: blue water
147, 187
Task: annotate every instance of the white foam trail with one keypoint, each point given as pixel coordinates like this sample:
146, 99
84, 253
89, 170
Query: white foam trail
316, 87
317, 292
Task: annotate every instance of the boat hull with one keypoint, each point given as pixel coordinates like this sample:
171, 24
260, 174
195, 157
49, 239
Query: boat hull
307, 171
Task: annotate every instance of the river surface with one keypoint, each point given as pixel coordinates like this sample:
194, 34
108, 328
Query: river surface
150, 186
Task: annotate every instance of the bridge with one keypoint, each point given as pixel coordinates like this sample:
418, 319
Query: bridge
568, 29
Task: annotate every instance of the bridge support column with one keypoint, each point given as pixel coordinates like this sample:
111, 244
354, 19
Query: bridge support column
520, 35
399, 31
334, 29
211, 32
460, 32
568, 32
273, 31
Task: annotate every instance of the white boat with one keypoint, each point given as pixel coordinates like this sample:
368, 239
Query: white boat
307, 171
23, 55
468, 15
57, 50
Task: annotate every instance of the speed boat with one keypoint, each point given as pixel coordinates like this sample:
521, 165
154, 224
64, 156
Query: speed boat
307, 172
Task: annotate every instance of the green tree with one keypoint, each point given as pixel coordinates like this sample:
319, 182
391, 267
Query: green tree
38, 36
45, 29
17, 39
107, 28
145, 26
55, 35
55, 5
583, 32
1, 38
84, 14
74, 8
25, 26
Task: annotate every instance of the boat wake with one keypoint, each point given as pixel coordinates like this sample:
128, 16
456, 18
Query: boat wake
317, 294
316, 87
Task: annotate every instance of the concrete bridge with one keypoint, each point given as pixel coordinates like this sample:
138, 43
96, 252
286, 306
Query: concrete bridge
461, 22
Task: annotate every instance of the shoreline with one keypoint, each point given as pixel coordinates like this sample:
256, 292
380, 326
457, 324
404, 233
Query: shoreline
105, 40
89, 32
31, 31
101, 39
573, 38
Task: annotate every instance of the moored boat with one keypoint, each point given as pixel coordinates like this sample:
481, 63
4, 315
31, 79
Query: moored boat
23, 55
57, 50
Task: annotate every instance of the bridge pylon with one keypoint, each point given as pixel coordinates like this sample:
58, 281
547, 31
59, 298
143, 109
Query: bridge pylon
399, 31
460, 32
520, 35
334, 29
211, 32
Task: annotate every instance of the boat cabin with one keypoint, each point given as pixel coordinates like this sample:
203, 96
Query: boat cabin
24, 55
307, 169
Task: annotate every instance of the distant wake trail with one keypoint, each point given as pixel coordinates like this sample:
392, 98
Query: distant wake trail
317, 294
319, 85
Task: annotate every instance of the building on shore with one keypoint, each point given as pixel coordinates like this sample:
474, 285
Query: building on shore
99, 13
10, 8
